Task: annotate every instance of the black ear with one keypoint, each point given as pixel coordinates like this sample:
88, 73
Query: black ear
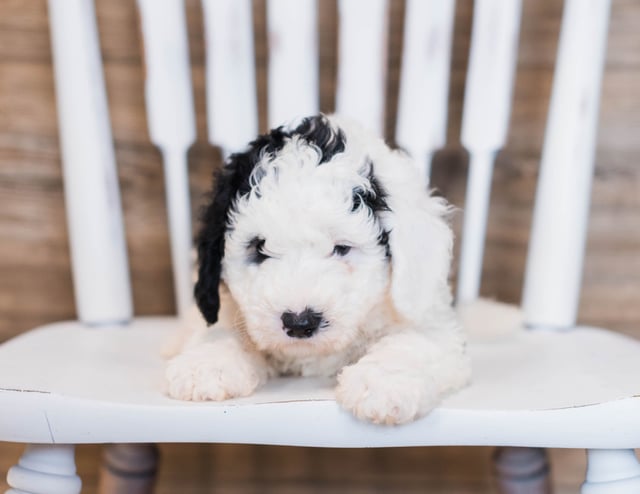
210, 245
229, 183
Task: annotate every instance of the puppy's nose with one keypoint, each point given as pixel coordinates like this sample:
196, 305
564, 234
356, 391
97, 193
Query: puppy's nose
301, 325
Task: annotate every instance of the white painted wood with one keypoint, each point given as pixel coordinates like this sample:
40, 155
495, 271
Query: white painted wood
421, 126
179, 216
94, 216
522, 471
487, 99
293, 60
232, 110
556, 249
476, 211
45, 469
561, 390
612, 472
171, 119
362, 61
129, 469
487, 106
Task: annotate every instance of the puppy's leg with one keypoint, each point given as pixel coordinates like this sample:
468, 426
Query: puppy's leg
192, 327
403, 376
217, 367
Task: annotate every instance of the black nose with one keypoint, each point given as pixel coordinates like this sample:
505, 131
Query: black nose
301, 325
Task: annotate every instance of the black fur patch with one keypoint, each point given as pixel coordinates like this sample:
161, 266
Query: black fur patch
374, 198
256, 254
383, 239
319, 132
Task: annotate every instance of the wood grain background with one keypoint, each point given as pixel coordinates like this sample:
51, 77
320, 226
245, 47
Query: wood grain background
35, 282
244, 469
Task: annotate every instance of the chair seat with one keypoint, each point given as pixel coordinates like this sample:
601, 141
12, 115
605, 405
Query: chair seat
66, 383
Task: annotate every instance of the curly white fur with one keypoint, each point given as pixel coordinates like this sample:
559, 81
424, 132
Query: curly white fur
391, 336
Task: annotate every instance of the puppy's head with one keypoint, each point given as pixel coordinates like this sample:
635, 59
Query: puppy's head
302, 230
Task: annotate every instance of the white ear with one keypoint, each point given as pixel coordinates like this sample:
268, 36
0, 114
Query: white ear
421, 242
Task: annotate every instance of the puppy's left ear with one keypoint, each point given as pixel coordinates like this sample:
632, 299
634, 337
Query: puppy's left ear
420, 241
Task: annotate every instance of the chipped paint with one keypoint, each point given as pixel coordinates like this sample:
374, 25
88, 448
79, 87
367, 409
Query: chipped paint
18, 390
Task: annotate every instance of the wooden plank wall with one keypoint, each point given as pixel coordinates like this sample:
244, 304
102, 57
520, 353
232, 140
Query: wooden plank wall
35, 284
244, 469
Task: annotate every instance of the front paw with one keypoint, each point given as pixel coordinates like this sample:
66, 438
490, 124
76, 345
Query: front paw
384, 396
214, 371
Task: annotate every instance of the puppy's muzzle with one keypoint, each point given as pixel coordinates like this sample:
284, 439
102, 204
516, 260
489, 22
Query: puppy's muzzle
301, 325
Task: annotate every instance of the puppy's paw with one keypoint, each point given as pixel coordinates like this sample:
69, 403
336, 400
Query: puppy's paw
214, 371
384, 396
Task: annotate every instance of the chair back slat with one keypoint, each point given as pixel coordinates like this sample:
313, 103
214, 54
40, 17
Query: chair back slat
293, 60
232, 110
556, 249
421, 126
362, 57
94, 215
490, 74
487, 106
168, 92
171, 119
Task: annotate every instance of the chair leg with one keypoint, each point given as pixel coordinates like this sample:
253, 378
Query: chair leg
129, 469
522, 471
612, 471
43, 469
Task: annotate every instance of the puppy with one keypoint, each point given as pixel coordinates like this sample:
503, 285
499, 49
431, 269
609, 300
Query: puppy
321, 253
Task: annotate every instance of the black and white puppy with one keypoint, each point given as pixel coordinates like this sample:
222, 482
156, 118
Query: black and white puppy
321, 253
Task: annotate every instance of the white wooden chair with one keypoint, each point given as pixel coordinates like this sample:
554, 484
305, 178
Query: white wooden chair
100, 379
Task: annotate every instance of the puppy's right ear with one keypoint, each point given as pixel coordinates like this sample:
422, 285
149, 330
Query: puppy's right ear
210, 244
231, 182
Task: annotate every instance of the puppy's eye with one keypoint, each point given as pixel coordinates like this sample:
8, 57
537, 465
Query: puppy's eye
341, 250
256, 251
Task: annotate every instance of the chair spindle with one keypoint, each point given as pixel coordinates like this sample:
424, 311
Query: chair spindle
232, 110
94, 214
556, 249
362, 61
171, 119
424, 79
293, 60
487, 106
